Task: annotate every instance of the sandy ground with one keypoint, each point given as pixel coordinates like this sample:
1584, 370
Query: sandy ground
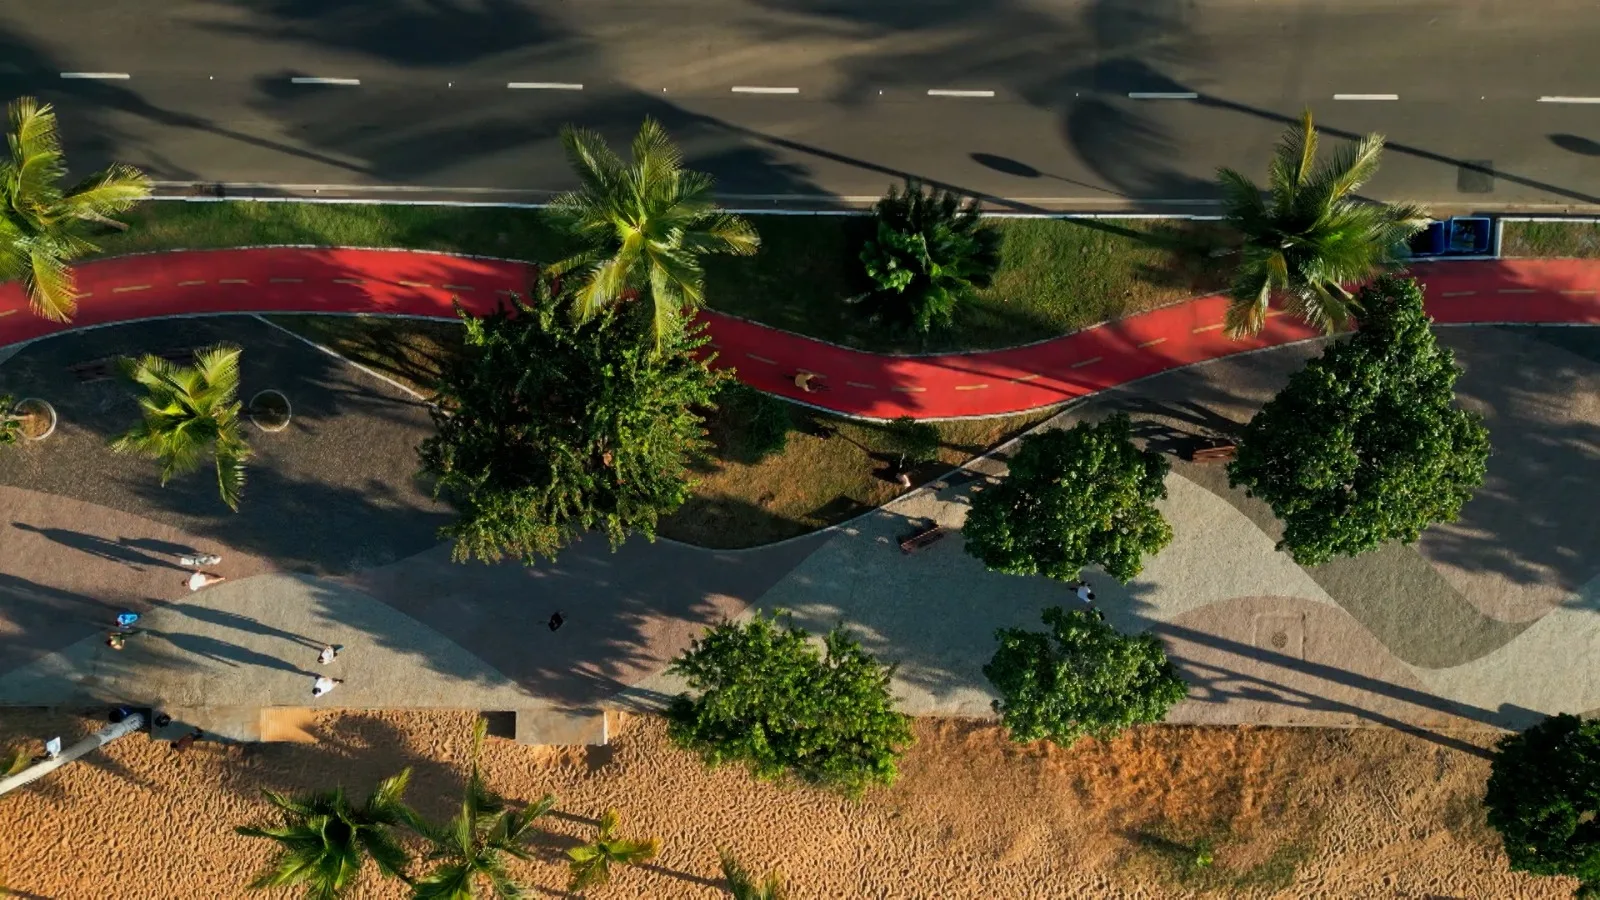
1329, 813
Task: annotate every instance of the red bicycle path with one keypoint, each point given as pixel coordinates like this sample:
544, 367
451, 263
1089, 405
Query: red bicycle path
986, 383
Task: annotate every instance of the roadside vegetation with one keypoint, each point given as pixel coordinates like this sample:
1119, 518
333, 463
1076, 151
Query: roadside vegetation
1579, 240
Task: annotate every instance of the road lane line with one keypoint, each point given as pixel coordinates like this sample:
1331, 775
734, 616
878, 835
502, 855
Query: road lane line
349, 281
114, 76
190, 283
1216, 327
854, 384
1569, 99
1024, 379
1150, 343
770, 362
348, 82
7, 312
1087, 362
1366, 96
421, 284
1458, 293
910, 390
1274, 312
468, 287
286, 280
131, 287
1515, 291
1163, 95
940, 92
543, 86
971, 387
746, 89
1578, 293
234, 281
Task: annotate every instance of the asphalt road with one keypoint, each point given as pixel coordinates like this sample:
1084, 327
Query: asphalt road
210, 92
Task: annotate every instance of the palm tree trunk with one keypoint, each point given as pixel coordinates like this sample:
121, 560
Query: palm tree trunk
89, 744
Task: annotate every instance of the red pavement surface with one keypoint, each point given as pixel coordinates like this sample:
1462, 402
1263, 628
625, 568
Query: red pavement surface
383, 282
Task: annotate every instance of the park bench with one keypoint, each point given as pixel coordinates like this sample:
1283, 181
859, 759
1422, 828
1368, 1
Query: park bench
107, 367
1217, 450
922, 538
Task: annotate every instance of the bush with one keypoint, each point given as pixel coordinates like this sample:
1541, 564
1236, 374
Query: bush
1543, 791
1074, 498
768, 699
10, 424
1082, 677
753, 425
1365, 444
929, 252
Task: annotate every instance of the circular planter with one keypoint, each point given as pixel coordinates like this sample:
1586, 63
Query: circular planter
270, 410
38, 418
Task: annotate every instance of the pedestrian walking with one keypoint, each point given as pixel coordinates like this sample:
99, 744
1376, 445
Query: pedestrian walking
1085, 593
203, 579
557, 620
329, 654
125, 621
116, 640
802, 380
324, 684
200, 560
187, 741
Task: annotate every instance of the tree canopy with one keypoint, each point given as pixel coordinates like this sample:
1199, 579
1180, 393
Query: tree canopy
547, 429
929, 252
44, 225
1311, 234
1080, 678
642, 226
1543, 797
1365, 444
764, 696
1076, 497
190, 412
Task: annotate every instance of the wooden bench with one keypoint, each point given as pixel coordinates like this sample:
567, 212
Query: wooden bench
929, 535
1215, 451
108, 367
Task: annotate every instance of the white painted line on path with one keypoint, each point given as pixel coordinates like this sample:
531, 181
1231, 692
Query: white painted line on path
115, 76
745, 89
351, 82
938, 92
1163, 95
543, 86
1366, 96
1569, 99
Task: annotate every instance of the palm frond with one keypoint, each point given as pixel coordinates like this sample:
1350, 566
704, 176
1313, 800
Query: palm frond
52, 293
103, 195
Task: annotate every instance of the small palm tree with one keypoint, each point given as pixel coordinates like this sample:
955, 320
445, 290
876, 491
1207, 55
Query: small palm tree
190, 411
1311, 235
471, 848
43, 226
643, 226
929, 253
325, 841
591, 863
743, 886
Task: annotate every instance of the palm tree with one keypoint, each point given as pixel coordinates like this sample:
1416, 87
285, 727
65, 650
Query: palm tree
43, 226
1311, 235
643, 226
743, 886
591, 863
190, 411
325, 840
930, 252
472, 846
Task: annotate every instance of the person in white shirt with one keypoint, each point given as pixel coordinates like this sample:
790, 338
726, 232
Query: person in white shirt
324, 684
203, 579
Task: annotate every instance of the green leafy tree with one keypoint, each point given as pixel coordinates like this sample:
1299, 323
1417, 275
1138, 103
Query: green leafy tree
324, 841
1365, 444
548, 429
767, 698
913, 442
190, 412
744, 886
1311, 234
1543, 797
43, 225
929, 253
471, 849
1082, 677
1074, 498
591, 863
642, 226
754, 425
10, 424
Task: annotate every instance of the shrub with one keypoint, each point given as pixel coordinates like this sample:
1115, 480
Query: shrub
929, 252
1543, 791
